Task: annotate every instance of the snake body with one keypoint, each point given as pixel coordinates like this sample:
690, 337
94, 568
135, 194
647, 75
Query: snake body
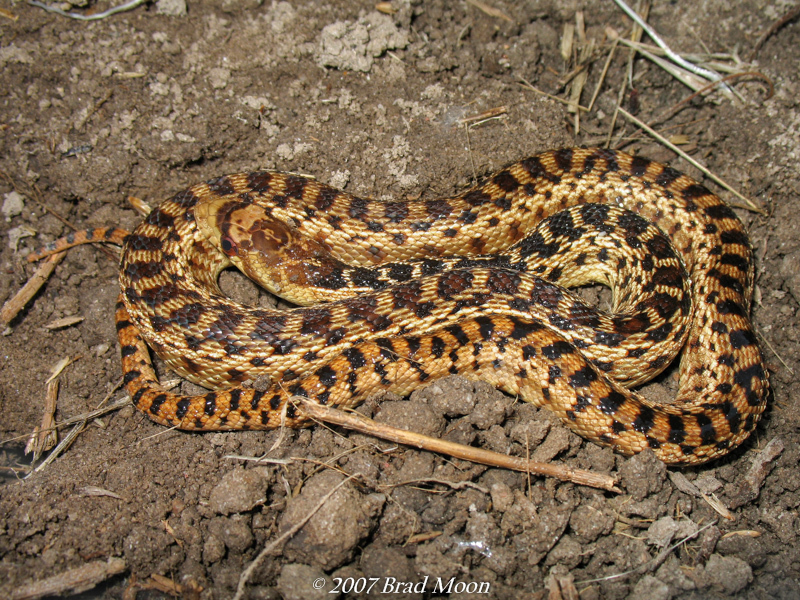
473, 284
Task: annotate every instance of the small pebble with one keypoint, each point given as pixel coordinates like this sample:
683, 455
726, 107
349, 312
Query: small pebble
239, 491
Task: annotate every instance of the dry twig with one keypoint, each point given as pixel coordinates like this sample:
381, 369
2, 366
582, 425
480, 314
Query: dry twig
750, 204
243, 578
45, 436
636, 35
653, 562
23, 296
353, 420
74, 581
784, 20
674, 56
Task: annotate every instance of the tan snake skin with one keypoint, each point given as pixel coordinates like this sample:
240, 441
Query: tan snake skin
505, 318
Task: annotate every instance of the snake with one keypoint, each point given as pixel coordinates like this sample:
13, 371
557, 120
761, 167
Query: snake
392, 295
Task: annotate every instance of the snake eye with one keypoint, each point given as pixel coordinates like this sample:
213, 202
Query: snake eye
228, 246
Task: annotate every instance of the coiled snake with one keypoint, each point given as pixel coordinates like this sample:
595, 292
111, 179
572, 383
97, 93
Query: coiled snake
474, 284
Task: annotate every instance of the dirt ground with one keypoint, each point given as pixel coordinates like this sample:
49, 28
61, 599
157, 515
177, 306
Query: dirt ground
145, 103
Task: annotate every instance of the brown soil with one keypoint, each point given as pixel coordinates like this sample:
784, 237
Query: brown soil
144, 104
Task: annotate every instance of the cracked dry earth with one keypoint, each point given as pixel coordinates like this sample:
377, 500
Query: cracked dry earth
145, 103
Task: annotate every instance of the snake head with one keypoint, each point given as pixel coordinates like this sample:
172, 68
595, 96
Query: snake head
270, 251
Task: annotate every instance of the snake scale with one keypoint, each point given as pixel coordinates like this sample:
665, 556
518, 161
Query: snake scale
475, 284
